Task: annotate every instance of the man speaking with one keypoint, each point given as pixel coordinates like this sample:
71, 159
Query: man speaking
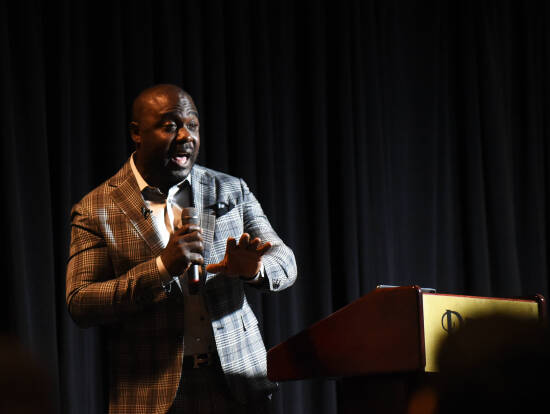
177, 344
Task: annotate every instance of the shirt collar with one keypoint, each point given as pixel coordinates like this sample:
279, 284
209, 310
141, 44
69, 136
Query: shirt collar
143, 184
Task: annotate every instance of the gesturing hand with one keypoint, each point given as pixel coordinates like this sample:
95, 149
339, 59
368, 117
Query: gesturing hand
243, 259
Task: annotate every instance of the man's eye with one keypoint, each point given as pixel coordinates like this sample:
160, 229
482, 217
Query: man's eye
170, 128
192, 126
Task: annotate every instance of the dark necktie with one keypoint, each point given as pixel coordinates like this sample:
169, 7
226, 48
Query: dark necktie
153, 194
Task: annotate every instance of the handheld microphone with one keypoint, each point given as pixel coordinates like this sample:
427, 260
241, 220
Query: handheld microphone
190, 215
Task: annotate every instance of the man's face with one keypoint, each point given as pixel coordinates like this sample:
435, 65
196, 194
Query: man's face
167, 135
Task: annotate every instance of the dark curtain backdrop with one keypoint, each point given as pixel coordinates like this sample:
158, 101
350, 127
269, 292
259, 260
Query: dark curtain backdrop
393, 142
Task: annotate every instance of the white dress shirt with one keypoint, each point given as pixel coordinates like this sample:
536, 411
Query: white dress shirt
166, 216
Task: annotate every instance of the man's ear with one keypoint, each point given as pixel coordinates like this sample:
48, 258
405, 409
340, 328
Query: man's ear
134, 132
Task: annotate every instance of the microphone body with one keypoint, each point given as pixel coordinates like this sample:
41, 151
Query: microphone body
190, 215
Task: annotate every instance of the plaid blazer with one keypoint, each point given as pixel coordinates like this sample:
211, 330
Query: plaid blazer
113, 281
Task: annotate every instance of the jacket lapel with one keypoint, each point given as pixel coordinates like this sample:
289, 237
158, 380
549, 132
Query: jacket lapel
128, 197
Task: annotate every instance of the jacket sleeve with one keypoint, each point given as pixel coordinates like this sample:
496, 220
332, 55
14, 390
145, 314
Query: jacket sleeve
95, 295
279, 262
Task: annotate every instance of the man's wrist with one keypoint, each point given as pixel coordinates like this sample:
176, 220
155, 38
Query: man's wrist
251, 278
165, 276
257, 277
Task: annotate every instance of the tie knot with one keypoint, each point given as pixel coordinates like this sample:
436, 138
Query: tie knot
153, 194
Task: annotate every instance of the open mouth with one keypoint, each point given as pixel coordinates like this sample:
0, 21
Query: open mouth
181, 155
181, 159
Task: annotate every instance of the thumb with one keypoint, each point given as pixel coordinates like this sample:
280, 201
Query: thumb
215, 267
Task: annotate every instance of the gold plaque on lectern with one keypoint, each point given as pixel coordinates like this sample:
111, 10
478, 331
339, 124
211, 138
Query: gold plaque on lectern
445, 313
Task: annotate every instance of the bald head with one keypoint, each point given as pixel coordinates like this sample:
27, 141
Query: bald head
156, 94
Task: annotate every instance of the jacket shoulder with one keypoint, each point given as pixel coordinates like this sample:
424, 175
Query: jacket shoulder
224, 183
217, 176
99, 196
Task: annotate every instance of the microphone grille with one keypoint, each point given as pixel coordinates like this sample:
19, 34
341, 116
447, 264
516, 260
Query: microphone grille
189, 215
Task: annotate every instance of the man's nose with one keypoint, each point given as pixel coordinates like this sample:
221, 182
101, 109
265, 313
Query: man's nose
183, 134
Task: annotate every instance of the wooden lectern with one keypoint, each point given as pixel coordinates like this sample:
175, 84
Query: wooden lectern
379, 345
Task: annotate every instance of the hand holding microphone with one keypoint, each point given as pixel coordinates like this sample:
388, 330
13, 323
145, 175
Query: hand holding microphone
185, 249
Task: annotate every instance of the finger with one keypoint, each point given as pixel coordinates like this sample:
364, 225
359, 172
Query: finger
195, 258
193, 247
245, 240
254, 243
264, 248
231, 244
215, 267
190, 237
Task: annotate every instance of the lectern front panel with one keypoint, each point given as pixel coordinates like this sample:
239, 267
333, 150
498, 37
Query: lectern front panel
445, 313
